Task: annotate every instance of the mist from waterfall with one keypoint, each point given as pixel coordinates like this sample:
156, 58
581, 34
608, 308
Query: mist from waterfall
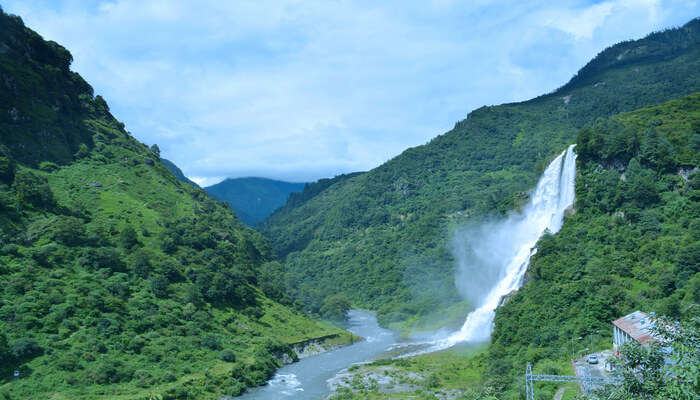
492, 258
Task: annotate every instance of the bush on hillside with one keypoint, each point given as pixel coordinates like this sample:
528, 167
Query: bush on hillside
32, 189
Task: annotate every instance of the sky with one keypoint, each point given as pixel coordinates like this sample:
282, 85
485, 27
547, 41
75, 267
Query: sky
302, 90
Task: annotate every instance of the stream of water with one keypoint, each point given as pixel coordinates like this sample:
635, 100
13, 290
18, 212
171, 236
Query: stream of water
307, 379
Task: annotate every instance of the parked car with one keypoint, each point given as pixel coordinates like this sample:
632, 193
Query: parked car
593, 359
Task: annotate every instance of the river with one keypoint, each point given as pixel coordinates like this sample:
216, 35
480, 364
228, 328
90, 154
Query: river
307, 378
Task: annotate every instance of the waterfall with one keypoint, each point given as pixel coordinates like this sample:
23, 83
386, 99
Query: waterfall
510, 245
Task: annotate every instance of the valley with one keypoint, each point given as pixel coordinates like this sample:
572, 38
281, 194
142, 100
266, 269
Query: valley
512, 240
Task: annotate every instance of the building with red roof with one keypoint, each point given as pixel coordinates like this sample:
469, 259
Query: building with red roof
636, 326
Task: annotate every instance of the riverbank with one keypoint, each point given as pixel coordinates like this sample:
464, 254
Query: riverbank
446, 375
307, 378
320, 345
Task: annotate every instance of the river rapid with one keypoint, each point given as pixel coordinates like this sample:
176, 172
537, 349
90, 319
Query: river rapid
308, 378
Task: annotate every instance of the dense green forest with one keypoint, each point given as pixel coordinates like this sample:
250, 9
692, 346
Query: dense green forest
381, 237
253, 199
632, 244
116, 279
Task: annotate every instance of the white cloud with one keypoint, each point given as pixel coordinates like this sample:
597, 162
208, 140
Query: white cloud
581, 23
305, 89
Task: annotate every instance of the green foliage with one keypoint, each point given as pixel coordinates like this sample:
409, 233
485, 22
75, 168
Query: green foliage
25, 349
48, 166
335, 307
227, 355
631, 244
382, 237
7, 165
128, 237
69, 231
33, 189
116, 280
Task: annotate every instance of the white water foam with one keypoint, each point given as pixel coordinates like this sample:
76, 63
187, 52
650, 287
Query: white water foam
288, 383
516, 239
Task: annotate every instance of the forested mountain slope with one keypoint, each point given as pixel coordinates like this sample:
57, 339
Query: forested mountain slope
116, 279
632, 244
253, 199
381, 237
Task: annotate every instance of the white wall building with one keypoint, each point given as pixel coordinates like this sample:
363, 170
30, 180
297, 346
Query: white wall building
635, 326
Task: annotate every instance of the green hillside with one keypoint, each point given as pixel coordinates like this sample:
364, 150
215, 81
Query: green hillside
253, 199
177, 172
117, 281
381, 237
632, 244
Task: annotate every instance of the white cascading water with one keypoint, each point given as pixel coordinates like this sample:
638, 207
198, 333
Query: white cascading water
517, 236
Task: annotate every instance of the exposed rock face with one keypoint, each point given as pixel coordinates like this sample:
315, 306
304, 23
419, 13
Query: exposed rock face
507, 297
316, 346
570, 210
685, 173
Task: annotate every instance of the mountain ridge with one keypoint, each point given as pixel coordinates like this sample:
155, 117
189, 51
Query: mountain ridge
253, 198
390, 226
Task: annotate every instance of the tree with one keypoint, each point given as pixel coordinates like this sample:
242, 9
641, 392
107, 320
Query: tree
69, 231
335, 307
156, 150
7, 165
32, 189
128, 237
83, 151
25, 349
666, 370
5, 354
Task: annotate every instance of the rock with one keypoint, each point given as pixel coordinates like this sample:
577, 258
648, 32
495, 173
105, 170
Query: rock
150, 162
569, 211
685, 173
285, 359
507, 298
95, 184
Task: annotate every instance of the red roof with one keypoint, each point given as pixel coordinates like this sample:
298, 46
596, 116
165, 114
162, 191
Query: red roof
638, 326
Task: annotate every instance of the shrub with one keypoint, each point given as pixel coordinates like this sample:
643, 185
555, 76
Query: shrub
11, 248
102, 257
335, 307
7, 165
25, 349
128, 237
83, 151
69, 362
69, 231
211, 341
159, 286
48, 166
109, 371
33, 189
227, 355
